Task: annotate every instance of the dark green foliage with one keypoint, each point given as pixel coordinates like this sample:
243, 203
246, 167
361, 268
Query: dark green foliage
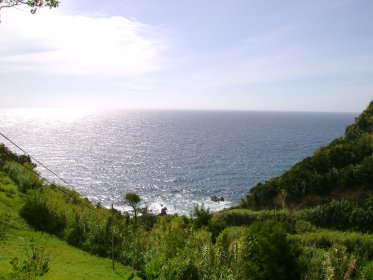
176, 249
272, 255
347, 163
236, 217
133, 245
240, 217
342, 215
39, 213
66, 215
133, 200
336, 214
200, 216
7, 155
83, 225
363, 123
75, 233
356, 243
311, 260
302, 226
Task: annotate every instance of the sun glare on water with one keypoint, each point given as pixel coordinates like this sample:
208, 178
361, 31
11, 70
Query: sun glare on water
55, 115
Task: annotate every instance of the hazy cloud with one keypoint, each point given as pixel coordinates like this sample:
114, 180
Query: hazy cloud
53, 43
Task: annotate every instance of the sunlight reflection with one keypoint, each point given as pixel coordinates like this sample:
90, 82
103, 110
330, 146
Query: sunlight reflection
47, 114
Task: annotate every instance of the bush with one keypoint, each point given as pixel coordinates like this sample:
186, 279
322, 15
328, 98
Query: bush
312, 263
271, 255
357, 243
36, 263
342, 215
39, 213
200, 216
302, 226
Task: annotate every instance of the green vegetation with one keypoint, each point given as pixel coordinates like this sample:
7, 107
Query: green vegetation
343, 169
331, 240
36, 263
18, 257
133, 200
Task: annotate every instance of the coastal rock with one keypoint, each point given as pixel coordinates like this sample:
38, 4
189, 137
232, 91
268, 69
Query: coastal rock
214, 198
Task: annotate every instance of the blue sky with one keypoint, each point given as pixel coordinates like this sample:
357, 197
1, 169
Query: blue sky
219, 55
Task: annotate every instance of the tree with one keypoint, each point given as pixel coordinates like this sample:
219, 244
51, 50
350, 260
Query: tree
133, 200
271, 255
33, 4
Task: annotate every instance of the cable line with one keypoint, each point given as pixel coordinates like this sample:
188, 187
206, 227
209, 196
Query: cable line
59, 177
82, 202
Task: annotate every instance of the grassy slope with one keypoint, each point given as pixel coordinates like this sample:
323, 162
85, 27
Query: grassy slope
67, 262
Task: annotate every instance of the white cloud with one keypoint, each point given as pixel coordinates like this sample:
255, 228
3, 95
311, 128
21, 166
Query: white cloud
52, 43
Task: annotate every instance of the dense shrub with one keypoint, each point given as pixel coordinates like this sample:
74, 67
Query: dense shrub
356, 243
312, 260
41, 211
200, 216
342, 215
133, 245
175, 248
271, 254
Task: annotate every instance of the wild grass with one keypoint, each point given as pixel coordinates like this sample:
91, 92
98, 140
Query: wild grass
67, 262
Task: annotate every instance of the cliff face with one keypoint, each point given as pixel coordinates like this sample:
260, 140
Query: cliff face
343, 169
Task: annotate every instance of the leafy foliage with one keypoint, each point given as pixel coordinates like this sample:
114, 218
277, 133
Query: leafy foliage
268, 242
201, 216
133, 200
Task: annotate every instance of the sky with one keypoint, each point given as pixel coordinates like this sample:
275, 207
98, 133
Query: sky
198, 54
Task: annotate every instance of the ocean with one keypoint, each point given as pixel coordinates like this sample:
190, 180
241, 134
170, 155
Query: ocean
172, 159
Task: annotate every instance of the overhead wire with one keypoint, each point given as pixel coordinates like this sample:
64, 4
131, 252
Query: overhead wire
55, 174
82, 202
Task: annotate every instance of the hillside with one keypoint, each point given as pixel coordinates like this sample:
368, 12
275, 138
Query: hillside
341, 170
16, 236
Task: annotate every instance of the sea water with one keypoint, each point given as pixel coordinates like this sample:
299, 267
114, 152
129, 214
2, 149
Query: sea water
172, 159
